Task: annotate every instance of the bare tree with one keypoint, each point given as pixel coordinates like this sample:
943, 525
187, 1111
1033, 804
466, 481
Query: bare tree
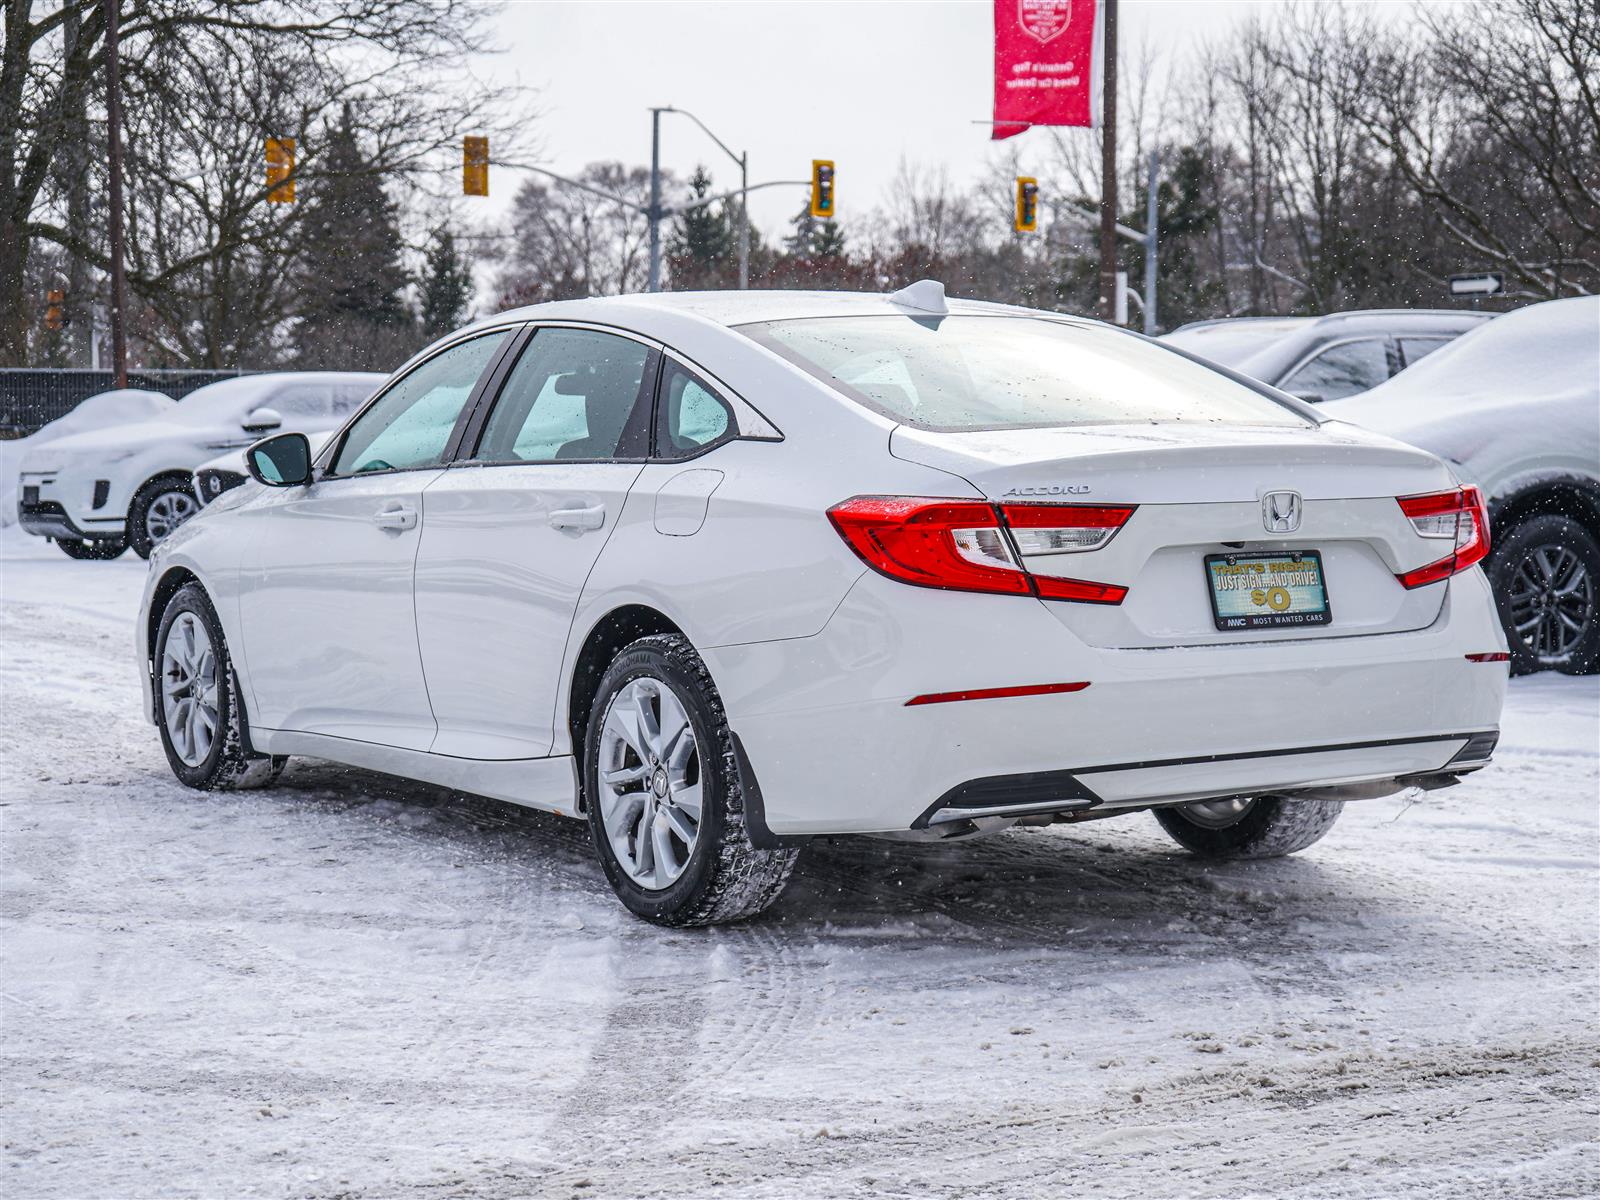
565, 242
206, 81
1493, 118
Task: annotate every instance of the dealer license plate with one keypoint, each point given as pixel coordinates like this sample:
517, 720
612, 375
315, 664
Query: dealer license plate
1265, 591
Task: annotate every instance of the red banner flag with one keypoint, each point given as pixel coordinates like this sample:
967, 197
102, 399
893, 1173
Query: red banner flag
1046, 64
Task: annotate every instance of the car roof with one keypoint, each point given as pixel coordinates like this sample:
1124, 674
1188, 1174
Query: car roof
733, 308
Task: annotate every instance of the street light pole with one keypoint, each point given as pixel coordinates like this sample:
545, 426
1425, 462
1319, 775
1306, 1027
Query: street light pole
655, 195
655, 200
744, 221
119, 344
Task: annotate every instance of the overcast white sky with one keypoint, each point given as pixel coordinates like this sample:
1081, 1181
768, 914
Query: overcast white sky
864, 82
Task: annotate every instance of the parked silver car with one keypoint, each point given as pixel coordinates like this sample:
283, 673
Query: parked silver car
1325, 358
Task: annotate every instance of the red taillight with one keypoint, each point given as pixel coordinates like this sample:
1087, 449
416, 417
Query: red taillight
966, 545
954, 544
1458, 515
1490, 656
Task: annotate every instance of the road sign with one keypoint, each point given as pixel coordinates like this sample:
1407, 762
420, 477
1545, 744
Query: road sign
1490, 283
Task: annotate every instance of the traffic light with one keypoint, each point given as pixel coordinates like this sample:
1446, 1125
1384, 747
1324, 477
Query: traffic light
822, 187
1025, 219
53, 318
280, 170
474, 166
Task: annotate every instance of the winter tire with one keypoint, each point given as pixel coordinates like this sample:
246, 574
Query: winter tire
159, 508
197, 701
665, 797
1546, 580
95, 549
1258, 827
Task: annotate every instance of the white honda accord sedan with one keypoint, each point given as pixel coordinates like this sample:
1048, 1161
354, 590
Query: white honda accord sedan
723, 572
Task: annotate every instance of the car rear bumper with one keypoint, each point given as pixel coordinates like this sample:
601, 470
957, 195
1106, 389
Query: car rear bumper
836, 748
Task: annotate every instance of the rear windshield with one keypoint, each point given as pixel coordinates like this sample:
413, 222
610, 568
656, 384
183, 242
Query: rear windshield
962, 373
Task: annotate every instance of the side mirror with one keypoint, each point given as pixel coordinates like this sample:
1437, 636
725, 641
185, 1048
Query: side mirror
260, 420
282, 461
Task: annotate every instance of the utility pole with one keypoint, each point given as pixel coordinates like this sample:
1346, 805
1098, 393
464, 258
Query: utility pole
1108, 165
655, 201
744, 220
119, 344
1150, 216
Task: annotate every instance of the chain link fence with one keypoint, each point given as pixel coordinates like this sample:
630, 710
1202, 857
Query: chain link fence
31, 397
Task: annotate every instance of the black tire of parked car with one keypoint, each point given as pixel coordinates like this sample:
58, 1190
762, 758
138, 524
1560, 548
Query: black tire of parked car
230, 766
727, 878
139, 536
1518, 573
96, 549
1271, 827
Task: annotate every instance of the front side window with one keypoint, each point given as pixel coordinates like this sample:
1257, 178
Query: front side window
1342, 370
689, 415
573, 395
410, 425
971, 372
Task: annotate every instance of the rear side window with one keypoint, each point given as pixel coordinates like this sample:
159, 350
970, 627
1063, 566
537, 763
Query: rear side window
1416, 348
410, 424
964, 373
575, 394
1340, 371
689, 416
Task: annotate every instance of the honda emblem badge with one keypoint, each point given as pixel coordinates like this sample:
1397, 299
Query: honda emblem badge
1280, 511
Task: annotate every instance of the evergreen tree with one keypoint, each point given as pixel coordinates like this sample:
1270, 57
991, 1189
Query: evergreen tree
811, 239
353, 313
704, 241
446, 287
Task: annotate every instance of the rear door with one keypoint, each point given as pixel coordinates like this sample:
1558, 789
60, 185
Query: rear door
514, 529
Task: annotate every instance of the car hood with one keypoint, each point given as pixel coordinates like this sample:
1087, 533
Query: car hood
108, 444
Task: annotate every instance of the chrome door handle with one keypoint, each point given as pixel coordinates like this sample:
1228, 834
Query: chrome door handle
395, 516
578, 518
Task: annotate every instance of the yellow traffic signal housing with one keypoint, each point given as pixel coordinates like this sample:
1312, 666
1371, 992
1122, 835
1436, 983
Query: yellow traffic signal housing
474, 166
54, 298
822, 187
1026, 217
280, 170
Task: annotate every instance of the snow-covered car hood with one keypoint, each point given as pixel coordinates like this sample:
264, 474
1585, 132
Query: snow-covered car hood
1507, 404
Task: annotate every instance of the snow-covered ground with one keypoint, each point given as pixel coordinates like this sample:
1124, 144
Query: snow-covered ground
353, 987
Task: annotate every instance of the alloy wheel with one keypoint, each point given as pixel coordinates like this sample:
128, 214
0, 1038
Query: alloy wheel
189, 689
1552, 602
166, 512
1216, 814
650, 785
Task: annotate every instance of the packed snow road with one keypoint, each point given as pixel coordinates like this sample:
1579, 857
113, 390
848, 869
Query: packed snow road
351, 987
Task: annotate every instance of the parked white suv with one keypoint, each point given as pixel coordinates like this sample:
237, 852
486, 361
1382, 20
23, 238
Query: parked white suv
723, 571
99, 492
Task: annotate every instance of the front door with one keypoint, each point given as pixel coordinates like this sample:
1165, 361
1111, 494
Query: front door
325, 603
513, 532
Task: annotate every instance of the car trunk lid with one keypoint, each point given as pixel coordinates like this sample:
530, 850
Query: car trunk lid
1199, 492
